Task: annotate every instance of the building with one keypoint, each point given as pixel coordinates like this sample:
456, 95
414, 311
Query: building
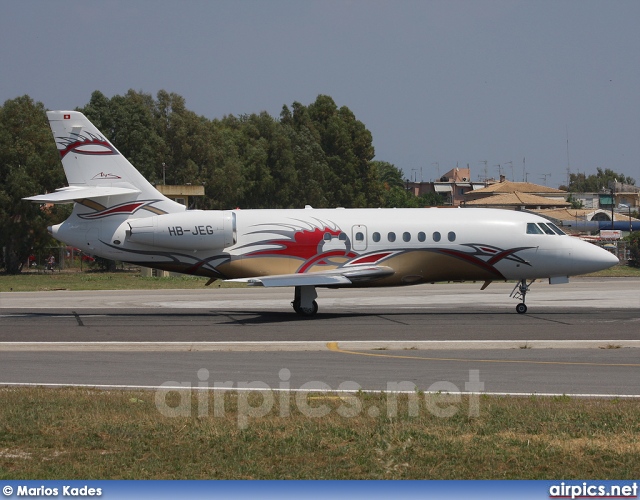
185, 195
516, 201
583, 220
452, 186
617, 195
516, 196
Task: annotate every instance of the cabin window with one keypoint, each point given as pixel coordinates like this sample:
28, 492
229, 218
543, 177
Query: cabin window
533, 228
421, 236
342, 237
546, 228
359, 236
436, 236
391, 236
406, 237
376, 237
556, 229
451, 236
327, 237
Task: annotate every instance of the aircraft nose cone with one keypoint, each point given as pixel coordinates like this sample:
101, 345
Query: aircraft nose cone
599, 258
610, 259
589, 258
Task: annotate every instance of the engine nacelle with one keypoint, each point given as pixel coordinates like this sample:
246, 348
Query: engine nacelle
188, 231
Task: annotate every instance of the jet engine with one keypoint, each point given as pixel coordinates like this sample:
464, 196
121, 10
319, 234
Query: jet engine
188, 231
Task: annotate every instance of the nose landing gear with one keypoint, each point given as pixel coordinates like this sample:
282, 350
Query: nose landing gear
520, 292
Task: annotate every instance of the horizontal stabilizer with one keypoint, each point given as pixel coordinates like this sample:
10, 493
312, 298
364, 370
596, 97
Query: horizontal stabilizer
342, 276
73, 193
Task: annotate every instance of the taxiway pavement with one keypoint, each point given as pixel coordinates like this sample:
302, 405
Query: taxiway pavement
578, 338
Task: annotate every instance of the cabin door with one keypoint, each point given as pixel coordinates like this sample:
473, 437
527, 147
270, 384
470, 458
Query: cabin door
359, 237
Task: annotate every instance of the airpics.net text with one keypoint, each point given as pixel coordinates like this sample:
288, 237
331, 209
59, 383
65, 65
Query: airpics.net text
256, 399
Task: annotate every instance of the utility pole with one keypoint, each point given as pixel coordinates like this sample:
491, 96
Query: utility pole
613, 202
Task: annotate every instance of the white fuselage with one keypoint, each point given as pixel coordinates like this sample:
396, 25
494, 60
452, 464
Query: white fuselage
420, 245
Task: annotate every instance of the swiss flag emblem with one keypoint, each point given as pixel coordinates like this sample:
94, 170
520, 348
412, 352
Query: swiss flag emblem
67, 117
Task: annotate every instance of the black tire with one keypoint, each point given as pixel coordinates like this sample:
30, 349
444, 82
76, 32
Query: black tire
307, 313
296, 306
521, 308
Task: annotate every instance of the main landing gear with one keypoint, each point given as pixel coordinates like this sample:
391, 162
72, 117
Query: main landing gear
304, 302
520, 292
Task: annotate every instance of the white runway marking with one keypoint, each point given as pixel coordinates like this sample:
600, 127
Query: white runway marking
319, 390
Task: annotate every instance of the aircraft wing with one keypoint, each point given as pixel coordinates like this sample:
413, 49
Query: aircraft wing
72, 193
342, 276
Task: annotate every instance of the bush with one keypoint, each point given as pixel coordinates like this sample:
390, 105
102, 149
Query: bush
634, 249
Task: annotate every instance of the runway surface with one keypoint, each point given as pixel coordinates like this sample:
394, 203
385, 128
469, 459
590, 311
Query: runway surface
579, 338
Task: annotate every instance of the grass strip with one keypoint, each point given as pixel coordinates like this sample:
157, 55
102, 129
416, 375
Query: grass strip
92, 434
123, 280
132, 280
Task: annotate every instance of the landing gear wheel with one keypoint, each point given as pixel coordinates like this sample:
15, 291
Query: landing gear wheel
520, 292
305, 311
304, 301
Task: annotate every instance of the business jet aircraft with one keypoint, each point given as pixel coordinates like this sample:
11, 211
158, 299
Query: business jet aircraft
119, 215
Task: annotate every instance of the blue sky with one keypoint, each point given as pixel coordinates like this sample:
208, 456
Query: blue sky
438, 83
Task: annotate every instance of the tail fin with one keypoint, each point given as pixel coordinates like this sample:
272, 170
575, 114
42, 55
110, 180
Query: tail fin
94, 167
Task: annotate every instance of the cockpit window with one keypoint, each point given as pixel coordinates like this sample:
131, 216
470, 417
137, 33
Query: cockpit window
546, 228
533, 229
556, 229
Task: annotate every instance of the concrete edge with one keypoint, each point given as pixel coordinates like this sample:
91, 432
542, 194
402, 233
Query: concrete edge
375, 345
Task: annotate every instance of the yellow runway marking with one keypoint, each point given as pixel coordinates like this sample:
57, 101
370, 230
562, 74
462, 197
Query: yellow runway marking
333, 346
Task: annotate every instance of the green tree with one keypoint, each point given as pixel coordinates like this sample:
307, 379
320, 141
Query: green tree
575, 203
347, 145
309, 160
29, 165
388, 174
128, 122
222, 173
430, 200
582, 183
634, 248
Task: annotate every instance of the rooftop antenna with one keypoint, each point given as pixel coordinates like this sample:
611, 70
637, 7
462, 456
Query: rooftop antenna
437, 168
510, 163
524, 171
568, 168
486, 170
544, 178
499, 169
